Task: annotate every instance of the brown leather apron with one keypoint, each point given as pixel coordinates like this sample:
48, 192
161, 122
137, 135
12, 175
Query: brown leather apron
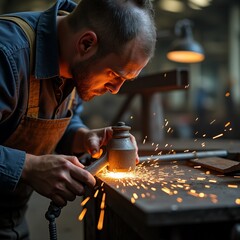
35, 136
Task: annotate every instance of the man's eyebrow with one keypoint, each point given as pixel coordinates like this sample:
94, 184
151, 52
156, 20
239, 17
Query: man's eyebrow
119, 74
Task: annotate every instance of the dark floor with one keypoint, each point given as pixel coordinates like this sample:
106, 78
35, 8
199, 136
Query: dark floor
68, 226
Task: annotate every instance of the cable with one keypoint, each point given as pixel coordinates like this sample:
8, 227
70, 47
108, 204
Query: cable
52, 213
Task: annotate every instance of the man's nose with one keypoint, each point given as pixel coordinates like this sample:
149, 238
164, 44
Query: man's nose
116, 87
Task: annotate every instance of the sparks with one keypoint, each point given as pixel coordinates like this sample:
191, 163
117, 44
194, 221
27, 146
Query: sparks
96, 193
101, 219
201, 195
232, 186
118, 175
82, 214
227, 124
212, 181
83, 203
144, 140
179, 199
212, 121
135, 196
218, 136
102, 206
201, 178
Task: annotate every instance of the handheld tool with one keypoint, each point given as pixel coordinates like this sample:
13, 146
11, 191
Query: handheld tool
119, 155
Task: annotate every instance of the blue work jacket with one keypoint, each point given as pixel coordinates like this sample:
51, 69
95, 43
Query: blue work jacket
14, 80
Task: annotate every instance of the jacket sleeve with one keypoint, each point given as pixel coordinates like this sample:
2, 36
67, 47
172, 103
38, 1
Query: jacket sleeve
11, 165
11, 160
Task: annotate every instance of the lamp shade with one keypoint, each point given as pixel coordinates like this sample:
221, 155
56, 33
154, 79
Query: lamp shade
184, 49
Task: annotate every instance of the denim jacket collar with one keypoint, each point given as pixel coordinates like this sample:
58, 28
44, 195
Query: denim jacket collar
47, 50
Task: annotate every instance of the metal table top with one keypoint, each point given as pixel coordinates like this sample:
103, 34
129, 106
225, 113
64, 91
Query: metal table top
173, 193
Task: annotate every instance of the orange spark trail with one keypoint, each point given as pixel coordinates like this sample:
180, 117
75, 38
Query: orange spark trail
101, 217
85, 201
217, 136
82, 214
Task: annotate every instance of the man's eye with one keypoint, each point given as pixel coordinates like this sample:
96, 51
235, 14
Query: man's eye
131, 80
112, 74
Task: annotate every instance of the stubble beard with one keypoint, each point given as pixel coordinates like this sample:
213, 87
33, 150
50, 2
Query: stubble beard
81, 77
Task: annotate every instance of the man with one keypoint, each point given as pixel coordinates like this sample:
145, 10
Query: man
96, 48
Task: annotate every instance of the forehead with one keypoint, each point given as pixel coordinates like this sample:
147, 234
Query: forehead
129, 62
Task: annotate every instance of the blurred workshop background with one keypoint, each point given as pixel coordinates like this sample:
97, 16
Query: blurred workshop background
208, 107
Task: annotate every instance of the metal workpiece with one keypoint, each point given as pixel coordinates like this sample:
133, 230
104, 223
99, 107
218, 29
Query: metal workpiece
121, 151
185, 156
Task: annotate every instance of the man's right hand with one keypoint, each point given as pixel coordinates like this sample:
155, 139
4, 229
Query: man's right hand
58, 177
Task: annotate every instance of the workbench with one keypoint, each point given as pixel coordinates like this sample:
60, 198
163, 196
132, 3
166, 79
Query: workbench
167, 200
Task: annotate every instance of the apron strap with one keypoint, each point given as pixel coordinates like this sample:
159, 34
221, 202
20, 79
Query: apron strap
34, 86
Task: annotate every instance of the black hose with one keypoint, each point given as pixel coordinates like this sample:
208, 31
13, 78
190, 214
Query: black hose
52, 213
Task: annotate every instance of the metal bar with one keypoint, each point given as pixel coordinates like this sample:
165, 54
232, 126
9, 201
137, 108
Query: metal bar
165, 81
184, 156
98, 165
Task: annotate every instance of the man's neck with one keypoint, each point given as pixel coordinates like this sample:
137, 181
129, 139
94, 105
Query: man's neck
64, 36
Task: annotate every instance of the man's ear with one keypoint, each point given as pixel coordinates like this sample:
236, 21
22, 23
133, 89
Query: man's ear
87, 44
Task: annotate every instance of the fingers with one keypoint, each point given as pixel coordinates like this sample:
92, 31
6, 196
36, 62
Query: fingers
74, 160
78, 173
61, 200
97, 138
67, 191
84, 176
94, 145
71, 181
76, 188
97, 154
133, 140
107, 135
58, 200
61, 197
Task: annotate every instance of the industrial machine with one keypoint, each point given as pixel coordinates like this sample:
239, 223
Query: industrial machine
118, 155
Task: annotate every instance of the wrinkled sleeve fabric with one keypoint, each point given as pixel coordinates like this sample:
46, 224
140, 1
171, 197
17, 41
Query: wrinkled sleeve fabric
11, 165
65, 145
11, 160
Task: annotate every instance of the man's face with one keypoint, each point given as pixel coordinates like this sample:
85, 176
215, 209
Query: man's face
96, 76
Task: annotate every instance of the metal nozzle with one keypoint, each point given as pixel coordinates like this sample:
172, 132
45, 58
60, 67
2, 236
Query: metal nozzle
98, 164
